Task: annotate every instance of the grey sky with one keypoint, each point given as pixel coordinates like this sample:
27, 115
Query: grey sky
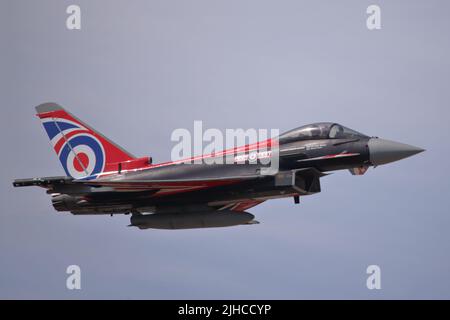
139, 69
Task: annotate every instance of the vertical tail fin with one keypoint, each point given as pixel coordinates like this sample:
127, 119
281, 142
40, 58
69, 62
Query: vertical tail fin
83, 152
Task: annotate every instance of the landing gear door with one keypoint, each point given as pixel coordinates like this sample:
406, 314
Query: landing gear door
303, 181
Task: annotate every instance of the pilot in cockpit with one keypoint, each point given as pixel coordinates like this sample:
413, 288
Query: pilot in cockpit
336, 132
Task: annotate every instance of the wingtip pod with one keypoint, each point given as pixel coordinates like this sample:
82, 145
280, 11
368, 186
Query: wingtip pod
82, 151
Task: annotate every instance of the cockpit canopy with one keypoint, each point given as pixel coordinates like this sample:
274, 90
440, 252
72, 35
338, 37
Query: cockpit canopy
321, 130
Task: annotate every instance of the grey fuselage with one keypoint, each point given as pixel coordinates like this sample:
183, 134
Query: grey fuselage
297, 175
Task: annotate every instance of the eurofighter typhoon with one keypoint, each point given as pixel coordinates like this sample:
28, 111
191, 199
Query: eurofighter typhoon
103, 178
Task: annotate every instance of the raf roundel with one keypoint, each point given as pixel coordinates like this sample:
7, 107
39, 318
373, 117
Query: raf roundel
80, 152
82, 156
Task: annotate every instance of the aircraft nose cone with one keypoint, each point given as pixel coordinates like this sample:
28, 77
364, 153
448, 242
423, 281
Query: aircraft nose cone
385, 151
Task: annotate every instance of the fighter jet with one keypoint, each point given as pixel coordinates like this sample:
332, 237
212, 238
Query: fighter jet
103, 178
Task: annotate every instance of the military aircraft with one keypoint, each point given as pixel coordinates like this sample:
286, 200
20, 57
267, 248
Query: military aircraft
103, 178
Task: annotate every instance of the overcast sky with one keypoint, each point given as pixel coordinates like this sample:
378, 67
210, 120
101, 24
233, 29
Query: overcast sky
137, 70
